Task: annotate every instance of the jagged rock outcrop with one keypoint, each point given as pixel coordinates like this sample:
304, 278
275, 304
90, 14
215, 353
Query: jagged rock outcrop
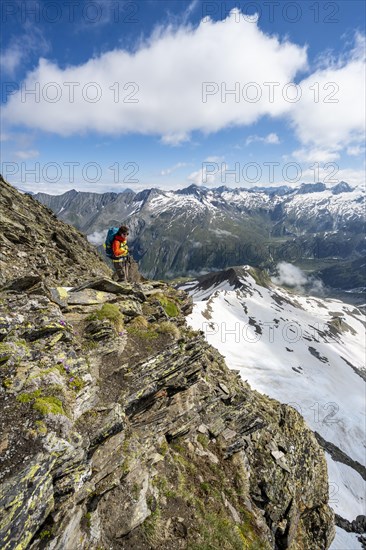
122, 428
34, 242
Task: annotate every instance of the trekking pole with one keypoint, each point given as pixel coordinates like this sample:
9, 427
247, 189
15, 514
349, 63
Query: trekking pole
125, 269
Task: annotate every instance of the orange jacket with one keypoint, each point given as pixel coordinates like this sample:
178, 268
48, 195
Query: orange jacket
119, 246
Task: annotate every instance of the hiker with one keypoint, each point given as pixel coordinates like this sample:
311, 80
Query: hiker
121, 259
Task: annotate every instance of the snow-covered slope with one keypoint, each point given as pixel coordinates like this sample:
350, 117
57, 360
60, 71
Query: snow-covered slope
325, 209
304, 351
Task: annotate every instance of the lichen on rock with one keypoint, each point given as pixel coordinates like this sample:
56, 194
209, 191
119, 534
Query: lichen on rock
122, 428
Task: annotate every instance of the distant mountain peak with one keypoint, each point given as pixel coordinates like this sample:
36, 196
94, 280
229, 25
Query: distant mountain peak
148, 193
341, 187
71, 192
235, 277
311, 188
192, 189
199, 228
272, 190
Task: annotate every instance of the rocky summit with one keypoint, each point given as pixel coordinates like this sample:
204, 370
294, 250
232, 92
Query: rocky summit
121, 427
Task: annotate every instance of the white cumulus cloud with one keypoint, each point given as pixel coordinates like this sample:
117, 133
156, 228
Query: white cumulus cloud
211, 173
355, 151
97, 238
21, 48
157, 89
315, 155
290, 275
10, 59
183, 79
171, 169
331, 113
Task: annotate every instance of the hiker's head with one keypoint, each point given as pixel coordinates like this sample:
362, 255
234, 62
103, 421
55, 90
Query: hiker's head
123, 230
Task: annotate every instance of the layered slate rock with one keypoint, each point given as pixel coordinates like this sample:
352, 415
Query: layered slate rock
35, 243
122, 428
138, 436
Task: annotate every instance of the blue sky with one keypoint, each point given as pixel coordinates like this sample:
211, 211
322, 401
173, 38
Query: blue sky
157, 93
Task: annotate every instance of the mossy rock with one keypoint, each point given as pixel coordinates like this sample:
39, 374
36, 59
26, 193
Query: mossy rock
45, 404
76, 383
45, 534
168, 304
29, 397
7, 383
13, 351
41, 427
6, 351
110, 312
48, 405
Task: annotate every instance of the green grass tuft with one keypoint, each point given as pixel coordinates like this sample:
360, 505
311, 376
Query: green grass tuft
166, 327
169, 306
110, 312
28, 397
48, 405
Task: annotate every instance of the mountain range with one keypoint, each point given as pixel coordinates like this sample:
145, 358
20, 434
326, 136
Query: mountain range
195, 230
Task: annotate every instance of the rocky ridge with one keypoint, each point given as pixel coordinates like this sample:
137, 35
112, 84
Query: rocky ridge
122, 428
33, 241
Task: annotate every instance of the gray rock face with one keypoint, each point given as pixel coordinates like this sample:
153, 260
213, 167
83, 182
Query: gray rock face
122, 428
358, 525
35, 245
132, 428
30, 504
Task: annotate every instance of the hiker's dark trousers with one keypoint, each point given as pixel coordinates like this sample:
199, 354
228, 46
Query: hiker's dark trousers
121, 269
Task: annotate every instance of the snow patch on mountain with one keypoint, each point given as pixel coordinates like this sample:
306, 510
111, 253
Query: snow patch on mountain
345, 541
344, 205
301, 350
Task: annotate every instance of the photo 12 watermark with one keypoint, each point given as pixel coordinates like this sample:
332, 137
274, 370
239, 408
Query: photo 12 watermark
268, 171
270, 331
272, 11
321, 413
71, 92
71, 172
271, 92
93, 12
88, 12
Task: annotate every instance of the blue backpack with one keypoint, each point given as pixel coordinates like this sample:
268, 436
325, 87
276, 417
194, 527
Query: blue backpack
112, 232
